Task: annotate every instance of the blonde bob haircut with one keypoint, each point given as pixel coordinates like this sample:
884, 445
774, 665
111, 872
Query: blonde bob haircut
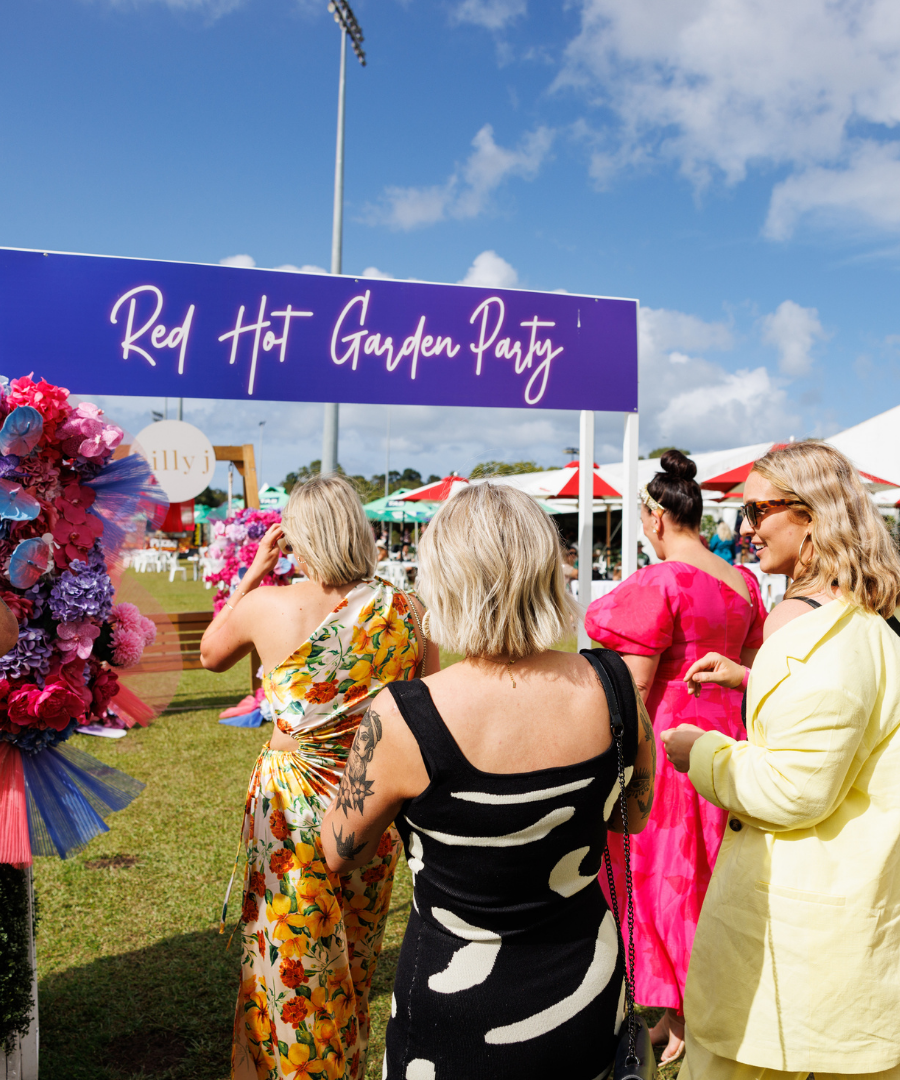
850, 541
491, 575
326, 527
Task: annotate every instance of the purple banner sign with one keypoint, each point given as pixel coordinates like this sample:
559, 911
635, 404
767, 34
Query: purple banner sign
131, 326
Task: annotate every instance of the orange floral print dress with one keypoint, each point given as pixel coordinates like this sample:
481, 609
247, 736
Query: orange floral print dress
310, 939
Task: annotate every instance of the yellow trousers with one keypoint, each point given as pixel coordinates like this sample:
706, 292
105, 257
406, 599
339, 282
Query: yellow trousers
702, 1064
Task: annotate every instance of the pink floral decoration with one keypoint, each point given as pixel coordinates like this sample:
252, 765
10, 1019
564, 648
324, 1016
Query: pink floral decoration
128, 647
77, 638
49, 400
50, 707
148, 629
86, 434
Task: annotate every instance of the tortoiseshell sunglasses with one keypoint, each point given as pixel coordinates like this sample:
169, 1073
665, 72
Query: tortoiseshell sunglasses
754, 512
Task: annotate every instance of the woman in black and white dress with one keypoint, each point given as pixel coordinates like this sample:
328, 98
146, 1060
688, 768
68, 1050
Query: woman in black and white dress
501, 774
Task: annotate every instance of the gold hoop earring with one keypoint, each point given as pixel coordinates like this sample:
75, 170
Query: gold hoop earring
800, 552
426, 624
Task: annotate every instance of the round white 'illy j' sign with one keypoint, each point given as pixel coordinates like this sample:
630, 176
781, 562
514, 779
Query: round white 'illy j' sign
180, 455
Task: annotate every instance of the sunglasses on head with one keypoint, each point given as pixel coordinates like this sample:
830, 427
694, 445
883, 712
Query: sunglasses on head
754, 512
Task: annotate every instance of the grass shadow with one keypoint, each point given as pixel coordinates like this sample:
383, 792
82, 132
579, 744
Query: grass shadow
163, 1011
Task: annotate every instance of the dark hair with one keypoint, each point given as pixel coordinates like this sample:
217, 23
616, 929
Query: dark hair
676, 490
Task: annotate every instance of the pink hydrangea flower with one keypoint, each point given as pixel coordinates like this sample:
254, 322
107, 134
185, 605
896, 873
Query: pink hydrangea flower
77, 638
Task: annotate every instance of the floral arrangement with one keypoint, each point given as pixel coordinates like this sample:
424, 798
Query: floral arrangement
233, 548
64, 507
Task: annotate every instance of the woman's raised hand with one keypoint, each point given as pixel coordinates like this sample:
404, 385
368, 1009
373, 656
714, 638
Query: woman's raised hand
267, 554
714, 668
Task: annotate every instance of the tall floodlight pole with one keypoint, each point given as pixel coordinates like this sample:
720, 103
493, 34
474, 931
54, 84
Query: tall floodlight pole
346, 20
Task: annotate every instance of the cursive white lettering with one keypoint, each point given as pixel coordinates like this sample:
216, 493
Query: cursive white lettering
537, 349
485, 342
268, 342
160, 337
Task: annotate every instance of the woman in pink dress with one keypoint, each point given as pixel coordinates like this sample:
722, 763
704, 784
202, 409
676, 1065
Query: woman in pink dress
661, 620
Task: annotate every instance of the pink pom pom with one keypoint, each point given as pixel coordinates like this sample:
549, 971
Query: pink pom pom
128, 647
126, 616
148, 629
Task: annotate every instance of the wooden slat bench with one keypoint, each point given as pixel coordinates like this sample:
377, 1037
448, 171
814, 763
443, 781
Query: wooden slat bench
177, 645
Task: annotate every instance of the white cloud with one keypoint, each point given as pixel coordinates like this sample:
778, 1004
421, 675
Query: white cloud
374, 272
723, 86
491, 14
213, 9
246, 262
793, 330
663, 330
690, 400
307, 268
867, 188
491, 271
467, 193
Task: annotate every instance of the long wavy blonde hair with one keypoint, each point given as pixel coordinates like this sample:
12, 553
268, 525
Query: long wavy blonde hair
850, 541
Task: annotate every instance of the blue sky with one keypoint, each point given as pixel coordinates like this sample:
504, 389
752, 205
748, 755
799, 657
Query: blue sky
734, 164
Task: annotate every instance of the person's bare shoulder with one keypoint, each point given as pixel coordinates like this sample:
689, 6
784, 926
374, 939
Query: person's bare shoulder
782, 614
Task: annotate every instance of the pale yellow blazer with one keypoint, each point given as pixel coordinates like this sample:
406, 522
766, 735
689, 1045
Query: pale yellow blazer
796, 961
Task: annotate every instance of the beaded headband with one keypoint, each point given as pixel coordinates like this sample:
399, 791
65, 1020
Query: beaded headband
651, 503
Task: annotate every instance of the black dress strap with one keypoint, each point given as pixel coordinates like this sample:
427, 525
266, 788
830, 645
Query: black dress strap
439, 750
807, 600
615, 678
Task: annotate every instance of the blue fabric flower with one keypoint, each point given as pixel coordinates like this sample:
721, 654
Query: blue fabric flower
32, 741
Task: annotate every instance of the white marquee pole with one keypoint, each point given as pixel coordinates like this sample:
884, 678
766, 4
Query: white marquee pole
630, 496
585, 518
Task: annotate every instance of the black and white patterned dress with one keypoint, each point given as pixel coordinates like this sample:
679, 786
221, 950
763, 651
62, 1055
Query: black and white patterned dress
511, 966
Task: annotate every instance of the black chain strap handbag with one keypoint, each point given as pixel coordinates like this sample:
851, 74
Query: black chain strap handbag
635, 1059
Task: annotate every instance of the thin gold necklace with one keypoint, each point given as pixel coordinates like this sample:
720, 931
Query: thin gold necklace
506, 663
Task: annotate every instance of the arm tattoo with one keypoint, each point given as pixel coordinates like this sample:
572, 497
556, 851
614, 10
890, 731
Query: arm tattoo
355, 787
647, 728
345, 846
641, 790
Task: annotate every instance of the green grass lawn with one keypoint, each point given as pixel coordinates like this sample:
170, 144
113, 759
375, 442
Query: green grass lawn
135, 981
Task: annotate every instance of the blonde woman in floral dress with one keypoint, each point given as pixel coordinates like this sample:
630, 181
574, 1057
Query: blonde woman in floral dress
310, 939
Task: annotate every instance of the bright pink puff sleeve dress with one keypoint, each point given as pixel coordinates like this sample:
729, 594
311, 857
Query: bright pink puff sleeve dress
680, 613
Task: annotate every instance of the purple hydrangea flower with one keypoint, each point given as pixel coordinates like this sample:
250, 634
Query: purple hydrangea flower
81, 593
256, 530
30, 656
38, 596
8, 465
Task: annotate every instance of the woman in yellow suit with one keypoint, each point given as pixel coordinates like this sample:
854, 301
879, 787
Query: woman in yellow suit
796, 963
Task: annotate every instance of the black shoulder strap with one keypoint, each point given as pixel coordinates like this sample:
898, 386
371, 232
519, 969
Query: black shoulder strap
807, 600
438, 747
894, 624
615, 678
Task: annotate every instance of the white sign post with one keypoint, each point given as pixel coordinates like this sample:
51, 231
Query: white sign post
180, 455
630, 516
585, 518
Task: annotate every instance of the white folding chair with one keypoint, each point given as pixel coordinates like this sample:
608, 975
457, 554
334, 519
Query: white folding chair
177, 568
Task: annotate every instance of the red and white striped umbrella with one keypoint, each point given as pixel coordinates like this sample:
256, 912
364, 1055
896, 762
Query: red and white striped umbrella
439, 491
563, 484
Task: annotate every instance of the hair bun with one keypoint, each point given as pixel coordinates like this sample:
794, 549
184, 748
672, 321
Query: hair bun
675, 464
